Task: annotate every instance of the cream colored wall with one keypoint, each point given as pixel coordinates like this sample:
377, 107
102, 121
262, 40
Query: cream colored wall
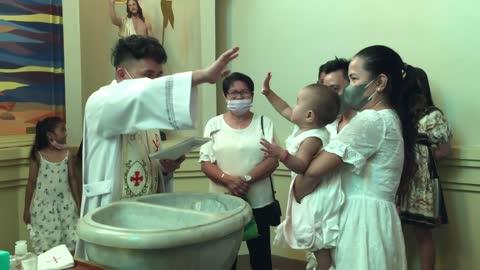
292, 38
223, 14
13, 175
88, 39
73, 71
97, 37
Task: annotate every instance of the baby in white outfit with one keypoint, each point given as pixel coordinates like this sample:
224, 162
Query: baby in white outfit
311, 225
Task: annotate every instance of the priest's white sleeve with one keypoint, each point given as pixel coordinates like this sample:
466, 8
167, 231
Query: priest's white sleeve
141, 104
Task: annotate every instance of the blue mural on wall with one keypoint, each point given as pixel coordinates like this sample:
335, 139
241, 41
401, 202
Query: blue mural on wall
32, 84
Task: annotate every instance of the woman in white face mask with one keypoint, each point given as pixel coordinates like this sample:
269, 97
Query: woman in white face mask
235, 164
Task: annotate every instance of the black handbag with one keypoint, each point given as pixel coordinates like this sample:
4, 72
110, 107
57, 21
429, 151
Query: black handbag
276, 209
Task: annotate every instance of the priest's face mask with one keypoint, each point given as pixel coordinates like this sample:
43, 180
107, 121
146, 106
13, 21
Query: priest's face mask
143, 68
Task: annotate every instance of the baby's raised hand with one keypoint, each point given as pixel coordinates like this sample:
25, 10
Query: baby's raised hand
272, 150
266, 84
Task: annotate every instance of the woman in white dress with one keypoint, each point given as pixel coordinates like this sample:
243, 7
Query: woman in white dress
374, 153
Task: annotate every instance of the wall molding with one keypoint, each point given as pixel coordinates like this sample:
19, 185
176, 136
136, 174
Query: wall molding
16, 141
14, 166
467, 155
460, 187
16, 183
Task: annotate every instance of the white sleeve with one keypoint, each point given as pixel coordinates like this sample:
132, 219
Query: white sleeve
206, 150
268, 129
359, 139
142, 104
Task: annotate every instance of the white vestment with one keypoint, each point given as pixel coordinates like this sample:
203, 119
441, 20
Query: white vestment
128, 107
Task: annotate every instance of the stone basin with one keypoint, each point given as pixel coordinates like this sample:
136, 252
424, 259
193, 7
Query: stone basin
166, 231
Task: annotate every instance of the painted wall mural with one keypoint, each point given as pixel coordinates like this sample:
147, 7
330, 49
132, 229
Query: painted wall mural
32, 84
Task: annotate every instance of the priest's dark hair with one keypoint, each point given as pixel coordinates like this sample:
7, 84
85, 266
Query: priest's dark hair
138, 47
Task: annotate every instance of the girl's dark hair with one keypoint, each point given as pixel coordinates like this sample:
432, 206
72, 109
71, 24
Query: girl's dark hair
418, 83
383, 60
41, 139
423, 86
139, 8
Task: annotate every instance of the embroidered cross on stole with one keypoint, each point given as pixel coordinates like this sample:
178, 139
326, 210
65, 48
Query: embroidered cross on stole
140, 175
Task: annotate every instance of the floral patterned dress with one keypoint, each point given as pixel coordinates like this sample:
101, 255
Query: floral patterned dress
423, 203
53, 211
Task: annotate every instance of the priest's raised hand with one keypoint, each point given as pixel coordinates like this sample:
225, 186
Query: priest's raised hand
217, 70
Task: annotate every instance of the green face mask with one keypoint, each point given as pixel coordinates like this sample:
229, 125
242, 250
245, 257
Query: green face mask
352, 97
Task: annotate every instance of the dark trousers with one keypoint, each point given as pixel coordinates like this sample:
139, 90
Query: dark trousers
259, 248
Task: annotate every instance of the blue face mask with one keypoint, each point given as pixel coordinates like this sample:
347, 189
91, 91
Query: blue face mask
239, 107
352, 97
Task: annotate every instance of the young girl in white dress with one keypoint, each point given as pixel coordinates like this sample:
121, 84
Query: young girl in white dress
52, 197
313, 224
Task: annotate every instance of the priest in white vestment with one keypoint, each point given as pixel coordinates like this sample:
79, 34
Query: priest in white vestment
119, 118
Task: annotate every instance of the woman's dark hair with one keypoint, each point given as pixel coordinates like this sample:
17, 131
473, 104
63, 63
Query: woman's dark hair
41, 130
139, 8
383, 60
237, 76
